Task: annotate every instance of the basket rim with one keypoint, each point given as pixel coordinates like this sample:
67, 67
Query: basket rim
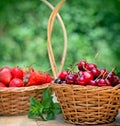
23, 89
87, 87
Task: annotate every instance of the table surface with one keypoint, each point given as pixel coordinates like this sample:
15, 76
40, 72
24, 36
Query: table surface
25, 121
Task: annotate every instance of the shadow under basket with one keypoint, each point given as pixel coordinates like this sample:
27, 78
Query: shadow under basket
88, 104
16, 101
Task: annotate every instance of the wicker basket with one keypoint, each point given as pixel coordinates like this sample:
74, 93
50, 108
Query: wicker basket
88, 104
16, 101
83, 104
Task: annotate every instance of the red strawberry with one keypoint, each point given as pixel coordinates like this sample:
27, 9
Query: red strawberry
5, 68
27, 71
5, 77
48, 78
16, 82
2, 85
36, 78
17, 72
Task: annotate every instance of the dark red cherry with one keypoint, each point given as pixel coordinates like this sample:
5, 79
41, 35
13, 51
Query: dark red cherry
88, 75
110, 76
81, 65
70, 79
90, 66
95, 72
103, 73
58, 80
92, 83
101, 82
80, 73
115, 80
81, 80
108, 82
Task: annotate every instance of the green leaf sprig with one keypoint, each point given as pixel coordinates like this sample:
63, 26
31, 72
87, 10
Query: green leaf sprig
46, 109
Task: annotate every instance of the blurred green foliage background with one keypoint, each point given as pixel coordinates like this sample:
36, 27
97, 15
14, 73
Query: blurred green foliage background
93, 31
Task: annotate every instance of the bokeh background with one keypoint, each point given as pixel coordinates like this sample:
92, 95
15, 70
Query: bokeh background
93, 31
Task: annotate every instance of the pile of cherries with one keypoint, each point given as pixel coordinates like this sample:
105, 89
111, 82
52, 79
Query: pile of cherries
88, 74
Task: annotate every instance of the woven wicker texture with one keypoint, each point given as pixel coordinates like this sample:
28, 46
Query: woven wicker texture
88, 104
16, 101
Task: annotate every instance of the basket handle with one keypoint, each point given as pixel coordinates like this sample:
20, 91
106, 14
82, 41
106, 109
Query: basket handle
51, 20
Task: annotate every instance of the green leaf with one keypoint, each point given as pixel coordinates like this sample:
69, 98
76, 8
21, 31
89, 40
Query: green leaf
43, 117
50, 116
33, 112
47, 98
34, 102
31, 115
46, 93
36, 108
56, 108
47, 109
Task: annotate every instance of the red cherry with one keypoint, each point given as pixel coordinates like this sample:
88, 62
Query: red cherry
59, 81
115, 80
110, 76
80, 73
111, 73
92, 82
88, 75
119, 81
81, 80
103, 73
84, 77
101, 82
95, 72
70, 79
108, 82
75, 75
81, 65
63, 75
90, 66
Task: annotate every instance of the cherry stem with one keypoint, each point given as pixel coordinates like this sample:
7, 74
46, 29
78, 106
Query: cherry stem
98, 76
104, 74
85, 68
110, 72
71, 68
96, 55
48, 69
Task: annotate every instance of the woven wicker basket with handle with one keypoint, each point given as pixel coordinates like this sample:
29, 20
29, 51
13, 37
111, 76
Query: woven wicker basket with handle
88, 104
83, 104
16, 101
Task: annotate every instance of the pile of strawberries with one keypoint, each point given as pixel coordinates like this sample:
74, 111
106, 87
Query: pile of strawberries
22, 77
88, 74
